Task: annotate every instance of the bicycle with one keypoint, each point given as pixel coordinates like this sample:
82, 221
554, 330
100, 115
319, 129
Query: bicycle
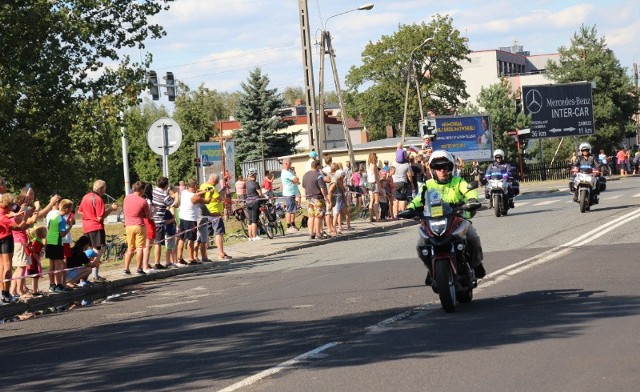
364, 209
241, 216
115, 248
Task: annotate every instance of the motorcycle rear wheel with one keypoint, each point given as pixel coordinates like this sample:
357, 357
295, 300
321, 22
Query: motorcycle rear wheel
446, 286
497, 204
583, 199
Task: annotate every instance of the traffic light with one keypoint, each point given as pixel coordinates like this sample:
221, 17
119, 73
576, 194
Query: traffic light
159, 162
153, 82
196, 161
171, 86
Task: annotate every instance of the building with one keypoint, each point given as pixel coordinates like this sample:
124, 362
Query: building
487, 67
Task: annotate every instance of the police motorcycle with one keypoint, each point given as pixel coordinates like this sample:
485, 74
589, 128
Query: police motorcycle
443, 248
584, 186
497, 190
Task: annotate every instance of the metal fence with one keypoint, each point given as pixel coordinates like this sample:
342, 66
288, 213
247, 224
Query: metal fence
535, 171
270, 164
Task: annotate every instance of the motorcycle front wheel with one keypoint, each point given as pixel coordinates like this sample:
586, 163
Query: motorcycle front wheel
446, 286
583, 199
497, 204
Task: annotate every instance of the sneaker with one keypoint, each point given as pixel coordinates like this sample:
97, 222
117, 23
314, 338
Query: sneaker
59, 289
126, 272
291, 230
159, 266
15, 298
171, 266
150, 271
52, 288
257, 238
99, 279
194, 262
181, 263
226, 257
479, 271
140, 272
84, 283
312, 237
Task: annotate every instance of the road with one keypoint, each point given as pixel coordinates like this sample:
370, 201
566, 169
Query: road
559, 310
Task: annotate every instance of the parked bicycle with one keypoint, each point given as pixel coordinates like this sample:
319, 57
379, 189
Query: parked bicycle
115, 248
268, 222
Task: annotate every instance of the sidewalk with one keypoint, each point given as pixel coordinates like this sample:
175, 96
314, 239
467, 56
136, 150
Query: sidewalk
241, 252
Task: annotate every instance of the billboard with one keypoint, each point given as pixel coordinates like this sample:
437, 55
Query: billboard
210, 154
559, 110
466, 137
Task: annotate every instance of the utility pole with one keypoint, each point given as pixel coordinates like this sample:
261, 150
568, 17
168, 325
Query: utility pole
307, 65
343, 110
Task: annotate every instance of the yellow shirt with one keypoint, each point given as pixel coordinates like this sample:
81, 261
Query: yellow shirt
215, 206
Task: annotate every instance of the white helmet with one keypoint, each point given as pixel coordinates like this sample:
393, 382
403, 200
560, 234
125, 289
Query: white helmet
441, 159
499, 153
252, 171
585, 146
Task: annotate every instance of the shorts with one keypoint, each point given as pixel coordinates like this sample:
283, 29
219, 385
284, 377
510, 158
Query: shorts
292, 206
402, 191
6, 245
338, 205
136, 237
97, 238
54, 252
73, 273
151, 229
34, 269
20, 258
359, 191
217, 225
171, 243
371, 187
254, 212
203, 230
188, 230
66, 250
160, 234
316, 207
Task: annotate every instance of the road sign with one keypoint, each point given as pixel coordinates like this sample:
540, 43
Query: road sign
164, 134
468, 137
559, 110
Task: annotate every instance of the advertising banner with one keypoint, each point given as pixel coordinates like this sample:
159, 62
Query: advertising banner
467, 137
210, 155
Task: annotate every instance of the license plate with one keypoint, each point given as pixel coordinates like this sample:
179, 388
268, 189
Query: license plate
436, 211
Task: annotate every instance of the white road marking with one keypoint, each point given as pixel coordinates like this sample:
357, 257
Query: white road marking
636, 195
284, 365
490, 280
542, 203
521, 203
611, 197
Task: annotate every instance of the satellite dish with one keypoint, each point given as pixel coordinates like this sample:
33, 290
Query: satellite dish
164, 135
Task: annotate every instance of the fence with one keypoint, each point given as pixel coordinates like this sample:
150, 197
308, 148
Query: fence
270, 164
536, 171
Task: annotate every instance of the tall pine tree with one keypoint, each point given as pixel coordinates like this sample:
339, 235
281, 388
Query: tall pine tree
257, 113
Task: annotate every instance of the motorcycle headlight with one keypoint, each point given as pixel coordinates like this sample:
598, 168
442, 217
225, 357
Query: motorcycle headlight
438, 226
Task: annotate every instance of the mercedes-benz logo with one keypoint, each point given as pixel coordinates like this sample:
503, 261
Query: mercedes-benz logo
533, 101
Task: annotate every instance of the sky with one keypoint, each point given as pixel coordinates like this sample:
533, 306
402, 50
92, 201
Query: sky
217, 43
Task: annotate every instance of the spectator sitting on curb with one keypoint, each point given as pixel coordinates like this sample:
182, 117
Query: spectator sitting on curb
80, 263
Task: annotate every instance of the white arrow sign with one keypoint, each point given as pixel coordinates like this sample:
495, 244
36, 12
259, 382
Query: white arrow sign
570, 129
555, 130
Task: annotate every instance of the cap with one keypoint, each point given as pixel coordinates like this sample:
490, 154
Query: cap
313, 154
425, 136
386, 162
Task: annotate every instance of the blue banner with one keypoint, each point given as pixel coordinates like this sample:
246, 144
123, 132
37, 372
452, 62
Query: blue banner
467, 137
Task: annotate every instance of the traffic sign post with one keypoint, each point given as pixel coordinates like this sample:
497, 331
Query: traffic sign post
559, 110
164, 138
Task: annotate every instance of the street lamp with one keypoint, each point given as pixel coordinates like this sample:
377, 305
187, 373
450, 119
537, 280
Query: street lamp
325, 45
411, 72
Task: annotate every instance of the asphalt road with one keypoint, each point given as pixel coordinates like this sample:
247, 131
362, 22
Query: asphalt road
559, 310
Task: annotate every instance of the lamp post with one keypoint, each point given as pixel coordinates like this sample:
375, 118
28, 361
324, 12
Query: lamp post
410, 72
325, 45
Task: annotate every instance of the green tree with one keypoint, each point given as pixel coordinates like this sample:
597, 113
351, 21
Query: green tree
257, 113
54, 82
292, 94
614, 98
376, 90
499, 101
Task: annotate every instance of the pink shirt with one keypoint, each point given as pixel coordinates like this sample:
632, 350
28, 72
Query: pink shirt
135, 210
19, 236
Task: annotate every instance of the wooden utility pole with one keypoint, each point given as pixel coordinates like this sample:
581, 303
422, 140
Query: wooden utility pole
307, 63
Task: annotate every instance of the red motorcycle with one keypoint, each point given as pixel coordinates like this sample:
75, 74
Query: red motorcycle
443, 249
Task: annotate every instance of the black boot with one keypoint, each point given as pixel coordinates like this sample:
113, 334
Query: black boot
511, 205
575, 196
428, 280
479, 271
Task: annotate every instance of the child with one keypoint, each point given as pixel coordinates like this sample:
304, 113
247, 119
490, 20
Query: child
79, 263
170, 232
7, 208
36, 249
57, 229
384, 199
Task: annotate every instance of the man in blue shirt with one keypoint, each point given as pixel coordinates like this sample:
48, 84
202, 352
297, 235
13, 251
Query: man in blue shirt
289, 182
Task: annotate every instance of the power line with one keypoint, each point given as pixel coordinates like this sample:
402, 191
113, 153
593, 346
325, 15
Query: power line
239, 69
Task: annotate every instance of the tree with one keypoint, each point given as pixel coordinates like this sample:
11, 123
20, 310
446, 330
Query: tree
499, 101
614, 97
383, 75
257, 113
56, 80
290, 95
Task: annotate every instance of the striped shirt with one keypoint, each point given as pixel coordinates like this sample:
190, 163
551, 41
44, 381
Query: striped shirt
161, 200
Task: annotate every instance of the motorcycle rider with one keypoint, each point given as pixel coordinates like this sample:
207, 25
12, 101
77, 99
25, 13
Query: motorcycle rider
499, 165
586, 160
452, 189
